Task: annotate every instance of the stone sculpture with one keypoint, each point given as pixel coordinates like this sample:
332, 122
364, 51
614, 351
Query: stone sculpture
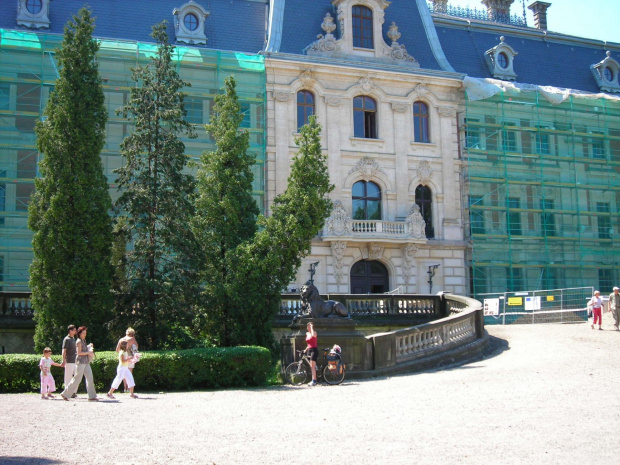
313, 306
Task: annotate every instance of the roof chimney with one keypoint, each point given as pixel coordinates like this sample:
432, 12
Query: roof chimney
497, 8
540, 14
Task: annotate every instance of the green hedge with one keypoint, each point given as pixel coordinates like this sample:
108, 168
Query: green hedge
157, 371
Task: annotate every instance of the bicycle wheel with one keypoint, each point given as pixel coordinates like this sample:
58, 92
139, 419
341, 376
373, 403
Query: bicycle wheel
334, 375
296, 373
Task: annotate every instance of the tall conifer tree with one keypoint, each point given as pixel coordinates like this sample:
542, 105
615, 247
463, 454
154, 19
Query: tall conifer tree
154, 204
245, 268
69, 212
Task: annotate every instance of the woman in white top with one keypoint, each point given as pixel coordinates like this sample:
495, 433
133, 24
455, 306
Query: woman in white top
597, 309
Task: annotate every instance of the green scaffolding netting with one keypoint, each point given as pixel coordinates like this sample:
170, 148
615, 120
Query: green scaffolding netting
28, 70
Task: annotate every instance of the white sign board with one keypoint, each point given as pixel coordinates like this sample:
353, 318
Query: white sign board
491, 307
532, 303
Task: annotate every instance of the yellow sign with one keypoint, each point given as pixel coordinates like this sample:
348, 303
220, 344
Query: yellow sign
550, 298
515, 300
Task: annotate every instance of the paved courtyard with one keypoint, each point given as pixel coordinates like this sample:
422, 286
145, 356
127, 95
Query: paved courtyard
547, 394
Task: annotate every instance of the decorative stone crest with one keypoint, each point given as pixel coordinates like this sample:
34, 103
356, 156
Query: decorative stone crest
421, 90
328, 24
368, 168
415, 223
409, 252
425, 172
281, 96
399, 107
307, 78
338, 249
339, 223
366, 84
374, 251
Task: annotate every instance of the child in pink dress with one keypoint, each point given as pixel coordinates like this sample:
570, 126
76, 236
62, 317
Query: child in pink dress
47, 380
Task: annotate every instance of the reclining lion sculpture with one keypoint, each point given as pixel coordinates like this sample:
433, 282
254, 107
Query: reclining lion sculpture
313, 306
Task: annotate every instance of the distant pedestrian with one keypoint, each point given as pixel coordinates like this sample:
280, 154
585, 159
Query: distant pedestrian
614, 306
597, 309
122, 372
312, 350
48, 385
132, 349
69, 354
85, 353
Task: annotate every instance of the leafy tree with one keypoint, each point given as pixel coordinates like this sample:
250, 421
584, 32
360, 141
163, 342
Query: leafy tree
249, 262
69, 212
225, 211
154, 205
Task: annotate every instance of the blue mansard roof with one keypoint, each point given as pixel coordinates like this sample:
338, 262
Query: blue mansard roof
301, 23
237, 25
546, 59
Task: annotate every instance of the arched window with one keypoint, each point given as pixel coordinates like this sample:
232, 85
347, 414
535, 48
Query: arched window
423, 199
369, 277
305, 107
364, 118
362, 27
420, 122
366, 201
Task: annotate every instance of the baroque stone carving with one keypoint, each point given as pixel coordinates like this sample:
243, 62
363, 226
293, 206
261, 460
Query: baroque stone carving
327, 43
368, 168
416, 223
333, 101
399, 107
338, 249
425, 172
409, 252
339, 223
446, 112
397, 51
307, 78
313, 306
374, 251
366, 84
281, 96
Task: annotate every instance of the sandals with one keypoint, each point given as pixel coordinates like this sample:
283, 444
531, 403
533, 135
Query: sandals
133, 395
110, 396
94, 399
64, 398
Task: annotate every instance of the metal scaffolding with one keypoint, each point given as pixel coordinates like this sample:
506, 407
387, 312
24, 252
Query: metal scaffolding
28, 72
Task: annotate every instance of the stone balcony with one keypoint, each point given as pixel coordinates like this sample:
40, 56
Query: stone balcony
340, 227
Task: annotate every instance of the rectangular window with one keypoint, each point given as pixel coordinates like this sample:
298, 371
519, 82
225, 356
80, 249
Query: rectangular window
194, 109
472, 135
22, 193
547, 219
513, 217
2, 201
28, 101
605, 280
509, 138
598, 145
26, 164
514, 279
604, 221
476, 214
492, 135
246, 110
543, 145
5, 96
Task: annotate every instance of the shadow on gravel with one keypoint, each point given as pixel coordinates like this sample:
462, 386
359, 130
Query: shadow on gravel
494, 348
27, 460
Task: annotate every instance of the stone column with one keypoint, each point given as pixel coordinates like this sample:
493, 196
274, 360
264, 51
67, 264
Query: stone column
283, 139
401, 149
450, 221
333, 120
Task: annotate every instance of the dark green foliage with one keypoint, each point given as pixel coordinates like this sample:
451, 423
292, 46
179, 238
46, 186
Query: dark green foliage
157, 371
225, 216
154, 209
246, 268
70, 275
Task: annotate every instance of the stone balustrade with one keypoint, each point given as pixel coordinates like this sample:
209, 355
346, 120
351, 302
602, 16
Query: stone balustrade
16, 304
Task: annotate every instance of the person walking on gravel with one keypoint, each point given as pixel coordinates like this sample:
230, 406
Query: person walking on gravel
69, 354
85, 353
597, 309
614, 306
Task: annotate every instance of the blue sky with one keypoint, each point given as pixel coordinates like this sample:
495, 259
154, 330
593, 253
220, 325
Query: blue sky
593, 19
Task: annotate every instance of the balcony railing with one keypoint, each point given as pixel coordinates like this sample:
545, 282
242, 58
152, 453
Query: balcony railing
479, 14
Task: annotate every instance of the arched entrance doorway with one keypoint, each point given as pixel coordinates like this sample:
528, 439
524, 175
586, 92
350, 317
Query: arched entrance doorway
369, 277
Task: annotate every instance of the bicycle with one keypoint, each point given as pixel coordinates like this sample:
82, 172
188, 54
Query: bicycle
330, 367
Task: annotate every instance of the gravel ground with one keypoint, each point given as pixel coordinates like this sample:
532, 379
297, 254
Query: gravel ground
543, 394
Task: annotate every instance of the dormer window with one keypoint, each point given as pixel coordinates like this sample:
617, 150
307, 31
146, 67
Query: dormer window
500, 60
362, 27
189, 23
33, 13
606, 74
